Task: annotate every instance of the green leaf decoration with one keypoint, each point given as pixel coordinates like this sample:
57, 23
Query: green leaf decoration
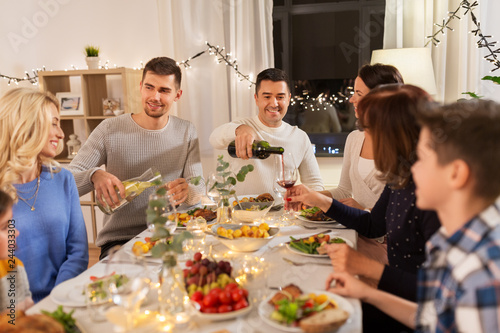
159, 249
160, 233
250, 167
225, 174
240, 177
176, 244
232, 180
195, 180
495, 79
161, 191
160, 220
220, 168
244, 169
157, 204
471, 94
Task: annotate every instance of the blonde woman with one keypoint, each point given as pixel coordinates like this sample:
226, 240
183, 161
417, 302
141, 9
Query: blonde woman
52, 240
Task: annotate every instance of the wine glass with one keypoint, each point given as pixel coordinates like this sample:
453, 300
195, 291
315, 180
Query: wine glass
285, 175
128, 282
164, 207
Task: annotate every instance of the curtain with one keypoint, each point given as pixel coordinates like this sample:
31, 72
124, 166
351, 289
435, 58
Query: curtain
212, 93
456, 60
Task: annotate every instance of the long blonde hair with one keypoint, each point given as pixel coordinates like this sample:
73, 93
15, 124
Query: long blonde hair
25, 122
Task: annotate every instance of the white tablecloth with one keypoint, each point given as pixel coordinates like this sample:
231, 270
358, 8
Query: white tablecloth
279, 273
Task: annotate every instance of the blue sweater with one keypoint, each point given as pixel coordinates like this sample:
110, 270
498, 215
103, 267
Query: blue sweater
52, 241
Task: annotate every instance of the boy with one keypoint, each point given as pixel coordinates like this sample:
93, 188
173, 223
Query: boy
456, 175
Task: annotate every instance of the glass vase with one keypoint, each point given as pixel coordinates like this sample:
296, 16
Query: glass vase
172, 296
224, 210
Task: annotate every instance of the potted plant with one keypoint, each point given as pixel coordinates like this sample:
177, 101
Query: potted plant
92, 56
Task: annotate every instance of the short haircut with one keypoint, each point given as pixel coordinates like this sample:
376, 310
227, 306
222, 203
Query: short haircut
5, 202
377, 74
164, 66
469, 131
272, 74
388, 113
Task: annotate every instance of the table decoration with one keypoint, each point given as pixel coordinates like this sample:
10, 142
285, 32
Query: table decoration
220, 185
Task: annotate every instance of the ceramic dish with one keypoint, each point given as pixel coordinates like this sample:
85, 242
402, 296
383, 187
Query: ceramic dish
241, 212
243, 244
266, 309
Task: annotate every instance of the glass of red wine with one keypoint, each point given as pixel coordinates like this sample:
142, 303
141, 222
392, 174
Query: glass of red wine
285, 175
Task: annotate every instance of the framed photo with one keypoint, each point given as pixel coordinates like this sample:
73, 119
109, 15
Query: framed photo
71, 103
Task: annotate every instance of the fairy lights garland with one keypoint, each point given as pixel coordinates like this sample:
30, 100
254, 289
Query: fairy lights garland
483, 42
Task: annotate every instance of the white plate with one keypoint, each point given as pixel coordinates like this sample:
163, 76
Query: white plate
294, 250
266, 309
191, 208
224, 316
70, 292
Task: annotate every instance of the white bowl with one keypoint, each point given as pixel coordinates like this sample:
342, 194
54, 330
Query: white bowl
118, 112
243, 244
244, 215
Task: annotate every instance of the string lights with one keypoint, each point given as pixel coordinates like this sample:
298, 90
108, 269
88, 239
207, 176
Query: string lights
32, 79
483, 42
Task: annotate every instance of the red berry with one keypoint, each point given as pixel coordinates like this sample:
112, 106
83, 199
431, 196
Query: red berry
197, 256
231, 286
236, 295
225, 297
197, 296
225, 308
189, 263
241, 304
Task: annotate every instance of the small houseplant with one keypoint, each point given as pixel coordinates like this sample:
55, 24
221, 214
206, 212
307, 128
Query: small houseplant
92, 56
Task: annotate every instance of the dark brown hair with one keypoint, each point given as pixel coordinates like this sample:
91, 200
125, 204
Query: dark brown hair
272, 74
5, 202
374, 75
164, 66
388, 113
470, 131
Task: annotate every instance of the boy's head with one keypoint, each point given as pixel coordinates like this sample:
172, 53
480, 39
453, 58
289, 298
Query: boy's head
6, 203
459, 146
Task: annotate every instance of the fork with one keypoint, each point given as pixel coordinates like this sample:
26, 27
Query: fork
294, 263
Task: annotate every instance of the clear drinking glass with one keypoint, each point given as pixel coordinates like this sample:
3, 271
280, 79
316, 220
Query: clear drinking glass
129, 283
163, 206
285, 176
197, 227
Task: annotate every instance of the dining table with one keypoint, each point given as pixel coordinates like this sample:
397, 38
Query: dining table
279, 266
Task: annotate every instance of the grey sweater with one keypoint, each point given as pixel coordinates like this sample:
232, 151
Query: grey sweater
128, 150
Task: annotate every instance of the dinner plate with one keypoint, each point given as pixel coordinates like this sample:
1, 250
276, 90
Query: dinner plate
128, 248
191, 208
303, 218
266, 309
71, 292
294, 250
224, 316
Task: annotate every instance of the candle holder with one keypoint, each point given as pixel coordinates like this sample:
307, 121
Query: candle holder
73, 146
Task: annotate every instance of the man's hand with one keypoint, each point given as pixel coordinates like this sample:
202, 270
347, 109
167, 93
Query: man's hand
351, 203
301, 194
178, 190
346, 259
245, 136
105, 184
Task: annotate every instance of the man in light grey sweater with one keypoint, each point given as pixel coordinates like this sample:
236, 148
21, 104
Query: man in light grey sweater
132, 143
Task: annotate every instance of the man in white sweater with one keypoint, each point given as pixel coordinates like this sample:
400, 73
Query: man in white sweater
272, 96
130, 144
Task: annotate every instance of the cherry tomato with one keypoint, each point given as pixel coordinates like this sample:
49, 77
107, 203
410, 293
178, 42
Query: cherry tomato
225, 297
210, 300
210, 310
147, 239
225, 308
93, 278
231, 286
245, 292
197, 296
236, 294
216, 291
308, 304
242, 303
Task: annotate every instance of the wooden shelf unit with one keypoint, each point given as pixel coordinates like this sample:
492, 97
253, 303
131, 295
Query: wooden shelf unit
93, 87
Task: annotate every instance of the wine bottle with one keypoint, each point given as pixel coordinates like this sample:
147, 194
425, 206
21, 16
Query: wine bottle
260, 149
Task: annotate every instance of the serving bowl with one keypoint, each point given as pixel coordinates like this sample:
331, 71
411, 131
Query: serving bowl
243, 244
244, 215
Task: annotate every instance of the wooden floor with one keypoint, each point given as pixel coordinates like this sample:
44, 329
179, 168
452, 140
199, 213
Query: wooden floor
94, 252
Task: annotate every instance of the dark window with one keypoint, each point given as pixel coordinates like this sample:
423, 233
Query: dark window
321, 44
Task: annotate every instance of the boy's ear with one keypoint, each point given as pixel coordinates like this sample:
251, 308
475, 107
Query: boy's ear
459, 174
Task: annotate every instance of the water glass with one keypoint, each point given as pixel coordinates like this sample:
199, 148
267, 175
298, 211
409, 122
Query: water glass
197, 227
162, 206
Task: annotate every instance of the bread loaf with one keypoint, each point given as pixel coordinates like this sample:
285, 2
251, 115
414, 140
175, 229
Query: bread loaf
324, 321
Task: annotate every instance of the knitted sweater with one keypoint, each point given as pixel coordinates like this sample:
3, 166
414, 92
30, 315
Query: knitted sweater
128, 150
365, 191
261, 180
52, 239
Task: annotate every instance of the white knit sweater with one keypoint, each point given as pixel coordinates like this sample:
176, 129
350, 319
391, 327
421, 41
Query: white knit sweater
261, 180
128, 150
365, 191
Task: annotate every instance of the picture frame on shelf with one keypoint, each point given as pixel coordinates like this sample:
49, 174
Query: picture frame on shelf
71, 103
